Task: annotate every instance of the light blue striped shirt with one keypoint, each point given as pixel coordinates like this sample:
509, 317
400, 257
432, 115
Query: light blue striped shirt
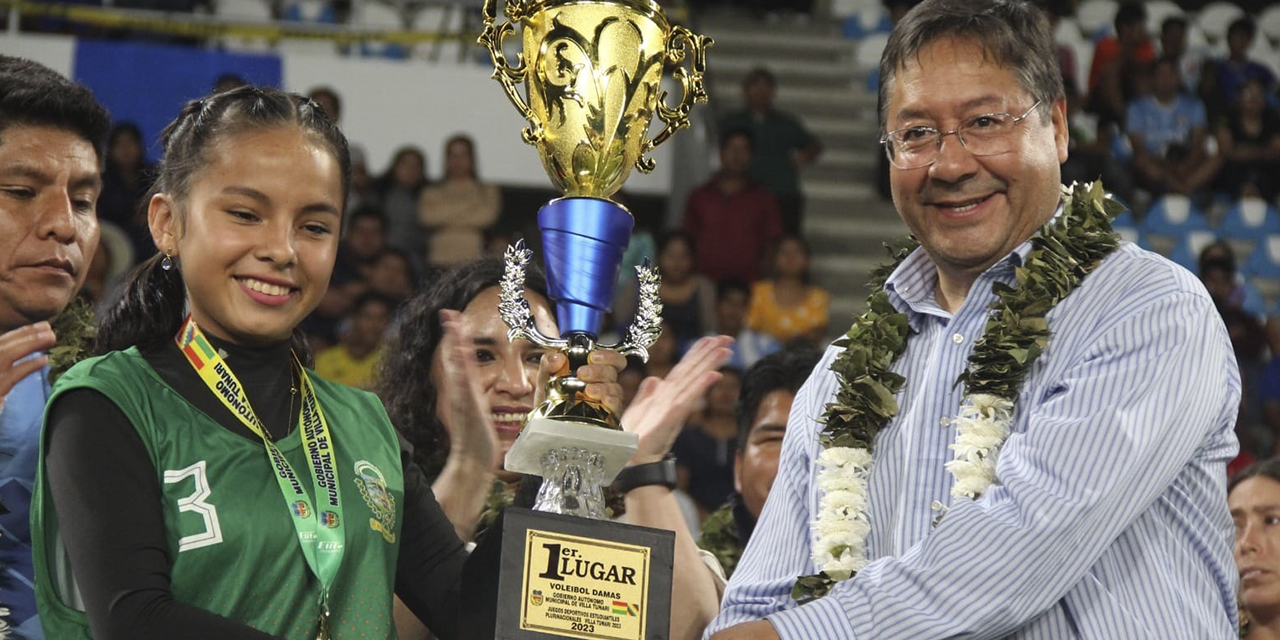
1110, 519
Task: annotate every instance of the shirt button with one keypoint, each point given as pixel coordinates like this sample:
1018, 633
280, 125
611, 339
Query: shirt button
944, 421
957, 338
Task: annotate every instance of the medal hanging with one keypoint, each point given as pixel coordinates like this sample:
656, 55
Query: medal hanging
316, 516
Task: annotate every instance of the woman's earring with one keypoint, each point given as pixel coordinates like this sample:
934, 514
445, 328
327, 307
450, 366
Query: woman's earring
167, 262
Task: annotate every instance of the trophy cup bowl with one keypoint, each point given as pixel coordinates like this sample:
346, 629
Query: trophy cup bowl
588, 82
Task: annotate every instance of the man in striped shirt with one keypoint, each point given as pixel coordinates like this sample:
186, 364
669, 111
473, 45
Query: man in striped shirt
1108, 519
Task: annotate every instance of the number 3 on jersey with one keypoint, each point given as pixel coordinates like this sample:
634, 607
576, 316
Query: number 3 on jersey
195, 502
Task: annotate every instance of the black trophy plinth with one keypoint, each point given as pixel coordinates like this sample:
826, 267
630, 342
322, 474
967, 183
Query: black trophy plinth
539, 575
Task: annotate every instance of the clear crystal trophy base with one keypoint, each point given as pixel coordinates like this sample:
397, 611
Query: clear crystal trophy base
571, 484
575, 461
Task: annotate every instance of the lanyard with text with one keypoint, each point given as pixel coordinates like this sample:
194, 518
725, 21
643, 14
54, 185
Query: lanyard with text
319, 525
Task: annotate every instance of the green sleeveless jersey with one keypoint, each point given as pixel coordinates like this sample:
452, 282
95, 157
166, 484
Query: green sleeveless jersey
234, 548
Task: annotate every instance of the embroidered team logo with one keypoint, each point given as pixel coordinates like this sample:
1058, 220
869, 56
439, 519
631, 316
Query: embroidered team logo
373, 488
300, 509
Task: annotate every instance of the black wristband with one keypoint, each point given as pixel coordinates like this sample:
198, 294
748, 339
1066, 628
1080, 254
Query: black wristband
662, 472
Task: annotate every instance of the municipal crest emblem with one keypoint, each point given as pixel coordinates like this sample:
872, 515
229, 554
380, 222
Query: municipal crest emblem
373, 488
535, 598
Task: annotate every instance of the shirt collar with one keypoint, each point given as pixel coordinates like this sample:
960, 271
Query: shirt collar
910, 287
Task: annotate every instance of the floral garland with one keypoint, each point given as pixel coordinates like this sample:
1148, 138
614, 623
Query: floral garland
1016, 334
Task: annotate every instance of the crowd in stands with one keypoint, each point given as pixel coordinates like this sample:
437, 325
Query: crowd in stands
1182, 127
1181, 122
403, 231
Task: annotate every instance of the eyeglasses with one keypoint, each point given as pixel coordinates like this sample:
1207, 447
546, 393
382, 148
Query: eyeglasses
984, 135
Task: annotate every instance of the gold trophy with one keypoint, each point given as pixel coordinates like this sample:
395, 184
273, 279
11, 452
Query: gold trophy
588, 83
591, 71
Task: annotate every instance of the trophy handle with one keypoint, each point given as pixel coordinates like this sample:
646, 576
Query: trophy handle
647, 325
512, 305
695, 90
510, 77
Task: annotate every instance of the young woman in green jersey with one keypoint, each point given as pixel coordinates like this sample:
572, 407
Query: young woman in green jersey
462, 452
196, 480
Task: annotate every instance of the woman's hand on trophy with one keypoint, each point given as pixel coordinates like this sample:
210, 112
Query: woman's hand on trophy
465, 409
662, 405
600, 375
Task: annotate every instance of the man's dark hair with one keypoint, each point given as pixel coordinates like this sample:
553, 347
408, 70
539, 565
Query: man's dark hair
1013, 34
1245, 24
32, 94
1129, 13
759, 74
367, 211
1167, 60
731, 285
737, 132
1175, 20
782, 370
373, 297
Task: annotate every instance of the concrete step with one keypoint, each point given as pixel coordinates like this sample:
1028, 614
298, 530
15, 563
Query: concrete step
839, 190
780, 42
732, 68
852, 103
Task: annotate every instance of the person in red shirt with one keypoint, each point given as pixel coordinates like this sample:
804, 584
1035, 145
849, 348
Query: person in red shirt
731, 217
1118, 62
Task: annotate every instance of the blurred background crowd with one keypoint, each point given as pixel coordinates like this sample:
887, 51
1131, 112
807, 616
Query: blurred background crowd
1173, 104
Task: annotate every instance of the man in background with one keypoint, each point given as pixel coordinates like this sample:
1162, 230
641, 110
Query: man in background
51, 137
782, 145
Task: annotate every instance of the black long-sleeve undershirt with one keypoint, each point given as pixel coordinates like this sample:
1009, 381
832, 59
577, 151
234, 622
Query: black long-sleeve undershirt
106, 493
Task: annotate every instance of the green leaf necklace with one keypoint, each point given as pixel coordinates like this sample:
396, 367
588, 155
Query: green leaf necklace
1063, 252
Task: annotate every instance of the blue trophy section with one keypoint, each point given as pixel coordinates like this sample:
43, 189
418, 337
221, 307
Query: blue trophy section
583, 240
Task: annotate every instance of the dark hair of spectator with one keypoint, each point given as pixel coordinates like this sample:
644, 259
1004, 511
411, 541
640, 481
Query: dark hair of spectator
388, 179
1223, 265
370, 211
403, 257
405, 386
34, 95
463, 138
800, 240
121, 129
151, 308
1269, 468
1245, 24
759, 74
228, 82
1172, 22
737, 132
372, 297
1215, 253
667, 238
732, 285
332, 95
782, 370
1128, 14
1169, 61
1013, 33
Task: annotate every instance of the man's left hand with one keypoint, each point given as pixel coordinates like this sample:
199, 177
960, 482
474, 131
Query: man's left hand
757, 630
